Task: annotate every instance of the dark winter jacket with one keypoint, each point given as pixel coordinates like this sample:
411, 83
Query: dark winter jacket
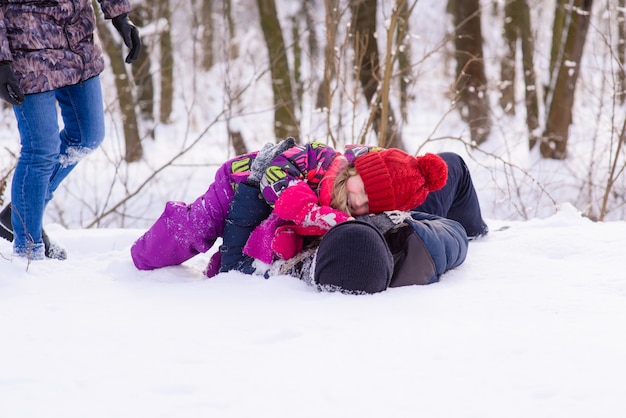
51, 42
425, 247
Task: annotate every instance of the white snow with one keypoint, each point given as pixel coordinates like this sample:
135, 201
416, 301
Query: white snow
530, 325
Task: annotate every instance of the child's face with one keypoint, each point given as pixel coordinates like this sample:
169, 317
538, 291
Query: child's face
357, 198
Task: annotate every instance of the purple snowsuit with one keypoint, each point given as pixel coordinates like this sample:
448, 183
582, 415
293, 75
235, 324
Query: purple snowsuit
185, 230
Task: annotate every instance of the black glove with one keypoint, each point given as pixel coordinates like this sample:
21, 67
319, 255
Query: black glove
9, 89
264, 159
130, 35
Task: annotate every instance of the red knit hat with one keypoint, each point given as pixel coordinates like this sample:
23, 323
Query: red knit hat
395, 180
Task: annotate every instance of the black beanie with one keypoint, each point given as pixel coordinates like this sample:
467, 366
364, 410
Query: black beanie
353, 257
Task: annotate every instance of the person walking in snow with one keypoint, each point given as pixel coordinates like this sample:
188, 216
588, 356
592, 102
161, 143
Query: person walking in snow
374, 251
310, 186
49, 57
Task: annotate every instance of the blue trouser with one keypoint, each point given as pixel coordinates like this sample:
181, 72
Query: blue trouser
456, 200
248, 209
48, 154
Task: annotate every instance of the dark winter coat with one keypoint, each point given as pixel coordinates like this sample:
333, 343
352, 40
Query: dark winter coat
425, 247
51, 42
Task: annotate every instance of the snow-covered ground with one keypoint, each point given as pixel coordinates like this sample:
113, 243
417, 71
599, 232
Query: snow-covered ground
530, 325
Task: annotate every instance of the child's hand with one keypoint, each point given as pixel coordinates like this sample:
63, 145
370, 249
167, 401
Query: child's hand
264, 159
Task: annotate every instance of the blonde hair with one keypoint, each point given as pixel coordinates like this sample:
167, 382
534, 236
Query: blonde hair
339, 197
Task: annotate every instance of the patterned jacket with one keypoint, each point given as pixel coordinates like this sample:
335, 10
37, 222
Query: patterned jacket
295, 180
51, 43
185, 230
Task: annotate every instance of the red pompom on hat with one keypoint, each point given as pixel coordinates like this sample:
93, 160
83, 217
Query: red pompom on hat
395, 180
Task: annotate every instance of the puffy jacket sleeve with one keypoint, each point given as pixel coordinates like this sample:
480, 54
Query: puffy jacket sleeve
5, 51
114, 8
445, 239
303, 163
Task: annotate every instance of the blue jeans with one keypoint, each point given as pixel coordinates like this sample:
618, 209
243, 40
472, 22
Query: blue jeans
48, 155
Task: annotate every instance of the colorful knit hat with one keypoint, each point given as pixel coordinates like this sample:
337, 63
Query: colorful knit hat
396, 180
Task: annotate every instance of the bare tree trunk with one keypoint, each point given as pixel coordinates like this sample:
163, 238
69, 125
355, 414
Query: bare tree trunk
330, 58
368, 68
304, 15
471, 79
559, 30
528, 64
518, 27
555, 136
507, 64
297, 63
621, 50
132, 141
228, 11
206, 16
142, 74
285, 122
167, 64
238, 143
404, 56
307, 11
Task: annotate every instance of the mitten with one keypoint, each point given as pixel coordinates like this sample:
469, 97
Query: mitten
130, 35
265, 157
286, 243
298, 203
324, 217
398, 216
385, 221
288, 239
9, 89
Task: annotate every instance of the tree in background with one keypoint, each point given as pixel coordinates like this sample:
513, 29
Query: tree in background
517, 27
332, 17
471, 83
167, 62
126, 100
621, 50
404, 55
228, 100
285, 120
142, 73
507, 64
567, 46
367, 66
206, 22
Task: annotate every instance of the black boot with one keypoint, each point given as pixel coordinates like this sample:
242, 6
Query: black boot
6, 229
52, 249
